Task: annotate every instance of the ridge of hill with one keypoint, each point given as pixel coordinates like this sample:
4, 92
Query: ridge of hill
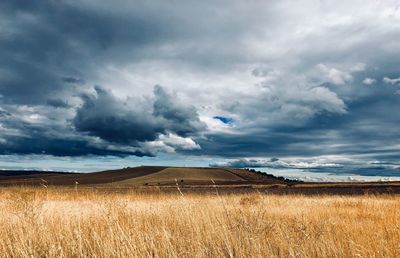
143, 175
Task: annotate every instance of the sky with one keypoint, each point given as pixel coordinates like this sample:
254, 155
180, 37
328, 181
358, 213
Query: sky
310, 86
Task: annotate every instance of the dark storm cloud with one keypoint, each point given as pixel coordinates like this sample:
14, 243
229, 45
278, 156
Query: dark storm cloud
72, 80
39, 144
176, 118
135, 120
46, 137
108, 118
368, 127
42, 41
58, 103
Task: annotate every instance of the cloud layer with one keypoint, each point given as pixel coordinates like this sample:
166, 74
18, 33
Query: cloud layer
238, 80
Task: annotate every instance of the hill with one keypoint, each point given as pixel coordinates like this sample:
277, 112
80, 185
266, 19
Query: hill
143, 175
229, 180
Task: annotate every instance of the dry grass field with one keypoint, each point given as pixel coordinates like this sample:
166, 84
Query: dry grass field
63, 222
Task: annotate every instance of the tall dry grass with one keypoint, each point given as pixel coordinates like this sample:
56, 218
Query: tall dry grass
63, 223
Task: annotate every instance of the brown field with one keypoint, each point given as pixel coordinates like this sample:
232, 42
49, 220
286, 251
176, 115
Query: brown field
139, 176
68, 222
191, 180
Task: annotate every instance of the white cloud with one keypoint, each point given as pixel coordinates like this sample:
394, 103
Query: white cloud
358, 67
294, 163
334, 75
170, 143
369, 81
391, 81
178, 142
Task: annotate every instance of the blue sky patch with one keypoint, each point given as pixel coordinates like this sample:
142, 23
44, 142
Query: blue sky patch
224, 119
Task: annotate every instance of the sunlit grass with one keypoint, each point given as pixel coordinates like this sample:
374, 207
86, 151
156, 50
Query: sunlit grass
62, 222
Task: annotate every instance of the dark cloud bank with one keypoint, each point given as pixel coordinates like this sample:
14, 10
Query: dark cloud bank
318, 92
135, 121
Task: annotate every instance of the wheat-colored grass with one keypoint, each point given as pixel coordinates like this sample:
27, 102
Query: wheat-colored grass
62, 222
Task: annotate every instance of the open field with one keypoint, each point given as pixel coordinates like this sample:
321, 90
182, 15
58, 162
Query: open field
143, 175
191, 180
67, 222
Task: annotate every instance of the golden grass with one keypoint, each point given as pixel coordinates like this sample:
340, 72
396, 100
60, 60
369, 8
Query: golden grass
59, 222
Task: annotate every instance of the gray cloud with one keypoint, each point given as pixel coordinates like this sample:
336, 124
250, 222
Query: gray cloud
23, 131
58, 103
135, 120
105, 116
291, 83
72, 80
336, 165
101, 125
176, 117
